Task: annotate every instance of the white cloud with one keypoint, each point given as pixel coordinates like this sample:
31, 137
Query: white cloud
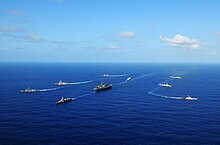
127, 34
217, 34
35, 38
15, 32
17, 12
113, 47
181, 41
10, 29
30, 38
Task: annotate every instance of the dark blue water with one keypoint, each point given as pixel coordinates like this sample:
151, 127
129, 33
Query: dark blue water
127, 114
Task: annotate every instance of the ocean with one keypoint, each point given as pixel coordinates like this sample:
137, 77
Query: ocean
136, 112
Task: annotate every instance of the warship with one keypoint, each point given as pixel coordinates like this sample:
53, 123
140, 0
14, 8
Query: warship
189, 98
165, 85
62, 83
29, 90
102, 87
64, 100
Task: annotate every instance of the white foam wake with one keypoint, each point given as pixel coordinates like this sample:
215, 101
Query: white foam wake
115, 75
152, 92
164, 96
124, 82
50, 89
83, 95
129, 79
142, 76
78, 83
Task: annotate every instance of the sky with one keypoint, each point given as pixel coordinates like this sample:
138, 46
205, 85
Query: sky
151, 31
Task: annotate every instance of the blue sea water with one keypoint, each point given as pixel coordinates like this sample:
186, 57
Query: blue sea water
127, 114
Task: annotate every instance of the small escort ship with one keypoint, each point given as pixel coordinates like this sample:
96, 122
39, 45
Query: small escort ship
29, 90
64, 100
102, 87
105, 75
189, 98
128, 79
165, 85
62, 83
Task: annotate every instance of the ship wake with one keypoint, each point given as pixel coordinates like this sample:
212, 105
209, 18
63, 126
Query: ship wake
81, 96
129, 79
79, 83
115, 75
50, 89
153, 92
